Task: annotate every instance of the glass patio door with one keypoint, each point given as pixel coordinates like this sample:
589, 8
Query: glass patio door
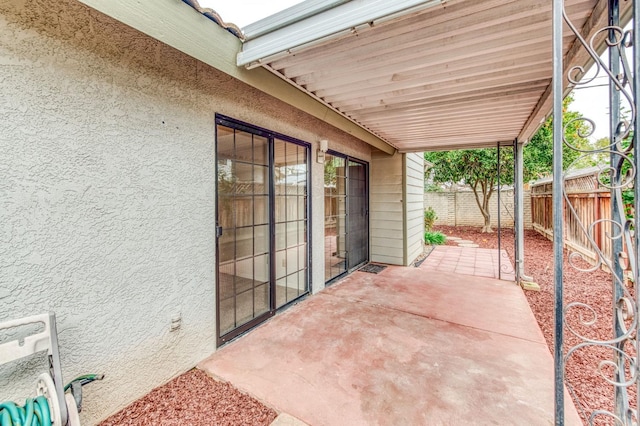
358, 215
291, 264
261, 225
243, 229
335, 216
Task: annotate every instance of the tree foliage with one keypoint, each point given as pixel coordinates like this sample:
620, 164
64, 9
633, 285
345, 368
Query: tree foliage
475, 167
538, 153
478, 167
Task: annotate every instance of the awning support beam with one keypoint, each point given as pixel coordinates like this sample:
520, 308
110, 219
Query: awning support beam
558, 211
518, 194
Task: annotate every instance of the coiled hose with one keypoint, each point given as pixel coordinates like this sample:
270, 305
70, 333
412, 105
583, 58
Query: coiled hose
35, 411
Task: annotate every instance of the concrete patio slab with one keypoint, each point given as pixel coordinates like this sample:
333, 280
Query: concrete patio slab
402, 347
475, 261
285, 419
485, 303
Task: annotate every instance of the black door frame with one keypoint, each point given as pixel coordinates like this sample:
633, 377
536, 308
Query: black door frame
271, 136
348, 158
349, 197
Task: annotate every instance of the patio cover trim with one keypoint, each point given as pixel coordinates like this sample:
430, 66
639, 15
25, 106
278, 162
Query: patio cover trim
178, 25
285, 17
317, 21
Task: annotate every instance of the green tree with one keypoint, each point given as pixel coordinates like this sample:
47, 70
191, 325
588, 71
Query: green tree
475, 167
538, 153
478, 168
330, 171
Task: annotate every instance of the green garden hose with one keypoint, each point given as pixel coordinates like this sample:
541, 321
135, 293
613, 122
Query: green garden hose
35, 412
84, 379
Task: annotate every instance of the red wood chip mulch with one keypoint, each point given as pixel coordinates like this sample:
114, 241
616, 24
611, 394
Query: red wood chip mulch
193, 399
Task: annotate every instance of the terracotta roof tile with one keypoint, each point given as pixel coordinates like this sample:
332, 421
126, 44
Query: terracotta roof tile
215, 17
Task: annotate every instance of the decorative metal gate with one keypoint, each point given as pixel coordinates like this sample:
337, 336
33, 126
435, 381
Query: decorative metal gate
613, 335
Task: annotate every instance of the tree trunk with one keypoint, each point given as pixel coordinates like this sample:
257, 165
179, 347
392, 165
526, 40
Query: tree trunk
487, 224
487, 190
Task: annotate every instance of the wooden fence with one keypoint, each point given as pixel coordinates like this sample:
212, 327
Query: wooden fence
591, 203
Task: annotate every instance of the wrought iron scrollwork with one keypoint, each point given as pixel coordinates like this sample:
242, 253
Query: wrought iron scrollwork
611, 240
506, 265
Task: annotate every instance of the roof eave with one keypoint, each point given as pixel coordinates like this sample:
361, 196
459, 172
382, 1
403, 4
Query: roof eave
180, 26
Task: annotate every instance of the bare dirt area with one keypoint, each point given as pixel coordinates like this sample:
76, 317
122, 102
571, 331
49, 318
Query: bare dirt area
586, 382
193, 398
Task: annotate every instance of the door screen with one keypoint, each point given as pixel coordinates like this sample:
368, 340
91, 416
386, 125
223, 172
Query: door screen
346, 215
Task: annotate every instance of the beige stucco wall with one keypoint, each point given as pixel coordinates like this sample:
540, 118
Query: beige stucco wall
107, 192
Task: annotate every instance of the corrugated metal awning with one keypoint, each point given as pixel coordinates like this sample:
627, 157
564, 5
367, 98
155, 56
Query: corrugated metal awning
430, 75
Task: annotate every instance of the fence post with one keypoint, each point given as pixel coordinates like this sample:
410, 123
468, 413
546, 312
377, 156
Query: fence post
451, 209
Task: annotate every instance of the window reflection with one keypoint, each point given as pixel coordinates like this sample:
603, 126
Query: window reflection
334, 217
261, 189
290, 175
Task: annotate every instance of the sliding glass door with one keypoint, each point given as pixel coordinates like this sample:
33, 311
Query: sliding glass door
261, 225
243, 228
346, 218
357, 214
290, 175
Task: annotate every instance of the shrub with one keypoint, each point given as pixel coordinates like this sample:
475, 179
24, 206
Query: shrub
429, 219
434, 238
432, 187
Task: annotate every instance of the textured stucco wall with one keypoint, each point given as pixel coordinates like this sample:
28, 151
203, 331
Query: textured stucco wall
107, 197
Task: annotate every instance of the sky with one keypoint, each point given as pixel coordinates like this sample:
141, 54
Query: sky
592, 102
244, 12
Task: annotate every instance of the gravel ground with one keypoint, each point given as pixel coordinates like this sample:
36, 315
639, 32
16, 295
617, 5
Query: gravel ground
589, 390
192, 399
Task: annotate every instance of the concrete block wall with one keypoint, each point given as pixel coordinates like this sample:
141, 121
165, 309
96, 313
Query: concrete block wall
459, 208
